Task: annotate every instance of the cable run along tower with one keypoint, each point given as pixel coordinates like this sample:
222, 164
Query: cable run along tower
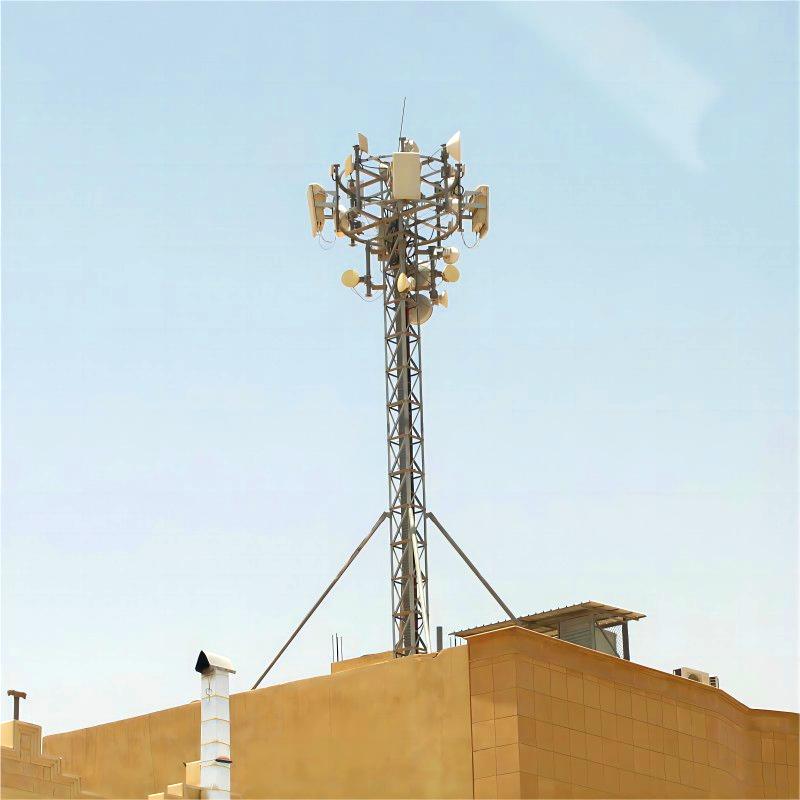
402, 207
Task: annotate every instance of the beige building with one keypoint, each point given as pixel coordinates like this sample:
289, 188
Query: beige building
516, 712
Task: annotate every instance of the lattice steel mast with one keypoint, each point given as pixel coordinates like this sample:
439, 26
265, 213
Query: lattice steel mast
405, 439
402, 207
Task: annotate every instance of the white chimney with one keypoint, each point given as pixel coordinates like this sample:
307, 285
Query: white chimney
215, 725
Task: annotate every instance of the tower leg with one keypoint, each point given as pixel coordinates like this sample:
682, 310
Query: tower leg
407, 518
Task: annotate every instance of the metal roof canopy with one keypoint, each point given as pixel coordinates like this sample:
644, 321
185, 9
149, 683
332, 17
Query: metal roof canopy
546, 622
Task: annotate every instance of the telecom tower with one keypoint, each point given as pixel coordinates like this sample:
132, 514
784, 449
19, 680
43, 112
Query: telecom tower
402, 207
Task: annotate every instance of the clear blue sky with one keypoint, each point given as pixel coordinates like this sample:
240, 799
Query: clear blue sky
193, 434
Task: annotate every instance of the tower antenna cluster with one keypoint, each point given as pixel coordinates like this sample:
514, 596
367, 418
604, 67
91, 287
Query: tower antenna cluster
402, 208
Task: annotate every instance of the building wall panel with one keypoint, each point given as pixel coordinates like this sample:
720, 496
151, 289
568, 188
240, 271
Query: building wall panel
598, 726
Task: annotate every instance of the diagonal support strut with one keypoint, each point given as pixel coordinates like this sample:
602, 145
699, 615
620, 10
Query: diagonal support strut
316, 605
432, 517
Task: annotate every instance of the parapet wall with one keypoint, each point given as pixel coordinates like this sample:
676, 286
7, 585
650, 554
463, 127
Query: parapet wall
399, 728
552, 719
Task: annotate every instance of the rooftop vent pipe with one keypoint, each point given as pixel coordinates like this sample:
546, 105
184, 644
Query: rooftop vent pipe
215, 725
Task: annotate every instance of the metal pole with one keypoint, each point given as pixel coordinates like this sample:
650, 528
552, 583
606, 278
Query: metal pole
626, 645
16, 695
316, 605
439, 638
408, 606
474, 569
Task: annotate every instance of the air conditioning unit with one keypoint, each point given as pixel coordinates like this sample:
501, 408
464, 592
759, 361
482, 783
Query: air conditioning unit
697, 675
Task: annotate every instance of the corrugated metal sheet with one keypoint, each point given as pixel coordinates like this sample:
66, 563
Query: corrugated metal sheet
547, 622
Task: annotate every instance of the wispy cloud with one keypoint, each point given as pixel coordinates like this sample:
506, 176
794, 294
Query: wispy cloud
654, 85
